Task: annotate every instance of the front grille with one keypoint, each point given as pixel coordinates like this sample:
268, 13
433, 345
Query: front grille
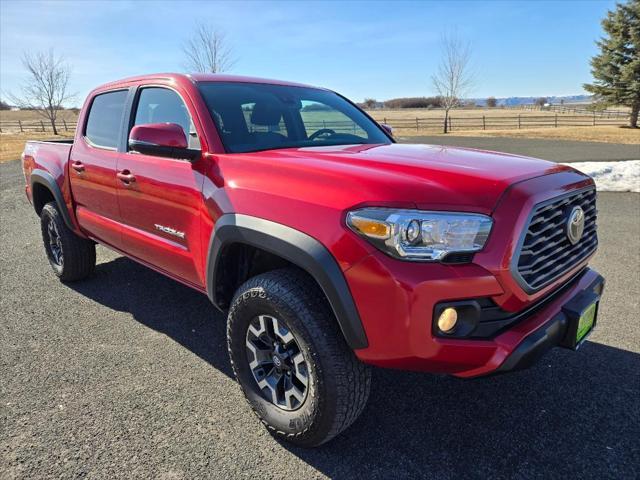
546, 252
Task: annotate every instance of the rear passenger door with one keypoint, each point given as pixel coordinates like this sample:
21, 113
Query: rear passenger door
92, 168
160, 209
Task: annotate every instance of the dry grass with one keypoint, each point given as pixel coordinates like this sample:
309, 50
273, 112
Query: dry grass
604, 134
12, 144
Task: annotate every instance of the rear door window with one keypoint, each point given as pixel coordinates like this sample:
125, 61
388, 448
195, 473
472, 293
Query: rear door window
105, 119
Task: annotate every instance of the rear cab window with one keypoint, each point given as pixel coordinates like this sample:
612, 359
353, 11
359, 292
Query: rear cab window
104, 122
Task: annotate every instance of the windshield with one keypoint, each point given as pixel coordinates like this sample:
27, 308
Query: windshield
256, 116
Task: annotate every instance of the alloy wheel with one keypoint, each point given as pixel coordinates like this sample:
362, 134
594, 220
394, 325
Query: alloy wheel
277, 363
55, 243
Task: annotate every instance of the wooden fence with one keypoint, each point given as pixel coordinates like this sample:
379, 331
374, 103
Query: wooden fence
577, 111
480, 122
491, 122
15, 126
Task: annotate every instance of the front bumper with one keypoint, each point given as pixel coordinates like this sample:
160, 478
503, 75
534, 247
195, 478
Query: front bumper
557, 332
397, 314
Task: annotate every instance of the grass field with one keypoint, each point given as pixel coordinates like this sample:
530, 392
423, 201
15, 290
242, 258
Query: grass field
12, 144
605, 134
507, 122
501, 122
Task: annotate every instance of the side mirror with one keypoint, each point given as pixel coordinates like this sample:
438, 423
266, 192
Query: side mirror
387, 128
162, 140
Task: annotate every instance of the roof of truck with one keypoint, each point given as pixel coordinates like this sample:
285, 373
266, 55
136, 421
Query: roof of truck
199, 77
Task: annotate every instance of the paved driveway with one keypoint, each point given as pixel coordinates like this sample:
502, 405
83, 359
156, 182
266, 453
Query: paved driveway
126, 375
556, 150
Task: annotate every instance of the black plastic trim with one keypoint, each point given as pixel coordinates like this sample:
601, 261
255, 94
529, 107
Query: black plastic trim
298, 248
46, 179
550, 335
533, 347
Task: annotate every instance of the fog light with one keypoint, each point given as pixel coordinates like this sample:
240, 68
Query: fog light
447, 320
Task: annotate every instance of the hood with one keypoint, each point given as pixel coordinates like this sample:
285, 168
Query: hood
427, 176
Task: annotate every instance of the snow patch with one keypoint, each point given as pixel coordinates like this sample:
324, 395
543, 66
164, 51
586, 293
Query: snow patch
622, 176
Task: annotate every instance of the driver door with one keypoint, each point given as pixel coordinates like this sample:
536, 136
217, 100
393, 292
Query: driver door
160, 198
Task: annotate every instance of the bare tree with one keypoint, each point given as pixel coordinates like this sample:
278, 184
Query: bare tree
453, 78
541, 102
370, 103
46, 88
208, 51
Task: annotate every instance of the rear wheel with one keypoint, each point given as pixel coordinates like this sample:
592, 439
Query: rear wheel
291, 360
70, 256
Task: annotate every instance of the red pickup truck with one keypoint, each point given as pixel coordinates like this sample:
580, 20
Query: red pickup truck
330, 246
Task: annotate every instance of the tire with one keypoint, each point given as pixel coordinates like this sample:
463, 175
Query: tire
338, 383
71, 257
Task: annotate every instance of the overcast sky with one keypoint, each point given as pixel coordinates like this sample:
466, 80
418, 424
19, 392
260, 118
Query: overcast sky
377, 49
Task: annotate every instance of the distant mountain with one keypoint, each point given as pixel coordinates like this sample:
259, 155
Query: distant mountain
555, 100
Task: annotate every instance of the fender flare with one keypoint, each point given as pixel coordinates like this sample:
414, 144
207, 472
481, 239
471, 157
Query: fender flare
301, 250
46, 179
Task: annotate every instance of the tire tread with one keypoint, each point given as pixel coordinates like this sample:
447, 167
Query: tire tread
79, 253
351, 377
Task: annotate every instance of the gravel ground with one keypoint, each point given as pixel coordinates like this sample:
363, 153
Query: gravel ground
556, 150
126, 375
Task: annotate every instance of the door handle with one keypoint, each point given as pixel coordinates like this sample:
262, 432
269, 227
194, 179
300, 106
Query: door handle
78, 167
126, 177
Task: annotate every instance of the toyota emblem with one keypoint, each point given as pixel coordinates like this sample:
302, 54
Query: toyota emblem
575, 225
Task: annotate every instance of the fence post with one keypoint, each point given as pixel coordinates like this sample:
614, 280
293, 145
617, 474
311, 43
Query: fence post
518, 121
484, 125
385, 120
556, 120
417, 127
20, 124
42, 125
594, 118
64, 122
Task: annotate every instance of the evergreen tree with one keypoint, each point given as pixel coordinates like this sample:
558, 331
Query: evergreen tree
616, 69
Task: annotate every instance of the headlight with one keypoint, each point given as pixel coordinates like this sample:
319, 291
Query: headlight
421, 235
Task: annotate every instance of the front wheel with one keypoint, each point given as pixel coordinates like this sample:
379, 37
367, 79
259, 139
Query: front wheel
70, 256
291, 360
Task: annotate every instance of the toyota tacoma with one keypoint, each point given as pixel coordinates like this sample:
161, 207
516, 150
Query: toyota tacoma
329, 246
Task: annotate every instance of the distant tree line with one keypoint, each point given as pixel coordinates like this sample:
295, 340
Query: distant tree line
422, 102
414, 102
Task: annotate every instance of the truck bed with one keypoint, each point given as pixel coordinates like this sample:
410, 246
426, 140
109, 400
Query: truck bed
49, 158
